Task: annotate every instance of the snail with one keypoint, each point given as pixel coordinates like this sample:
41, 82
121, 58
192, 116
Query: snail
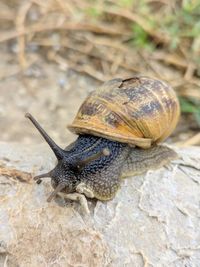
119, 128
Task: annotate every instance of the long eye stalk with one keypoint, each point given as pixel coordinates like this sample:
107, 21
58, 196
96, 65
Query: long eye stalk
59, 152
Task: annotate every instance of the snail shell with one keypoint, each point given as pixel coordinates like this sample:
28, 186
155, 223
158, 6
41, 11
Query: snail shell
139, 111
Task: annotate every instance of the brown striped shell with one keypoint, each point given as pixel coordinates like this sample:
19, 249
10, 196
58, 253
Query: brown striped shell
139, 111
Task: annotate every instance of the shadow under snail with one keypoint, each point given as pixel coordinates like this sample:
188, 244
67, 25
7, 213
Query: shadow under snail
119, 126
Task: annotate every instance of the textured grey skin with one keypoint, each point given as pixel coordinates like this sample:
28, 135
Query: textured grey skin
101, 177
141, 160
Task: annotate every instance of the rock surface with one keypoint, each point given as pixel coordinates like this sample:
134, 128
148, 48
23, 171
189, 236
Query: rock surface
154, 220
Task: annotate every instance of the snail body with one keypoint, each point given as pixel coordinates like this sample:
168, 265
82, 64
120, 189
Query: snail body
119, 126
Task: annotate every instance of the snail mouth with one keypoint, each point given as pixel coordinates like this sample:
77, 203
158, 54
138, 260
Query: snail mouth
58, 187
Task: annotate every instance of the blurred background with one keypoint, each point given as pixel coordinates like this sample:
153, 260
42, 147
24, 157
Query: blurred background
54, 52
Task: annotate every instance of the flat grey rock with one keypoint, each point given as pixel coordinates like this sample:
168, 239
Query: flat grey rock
154, 220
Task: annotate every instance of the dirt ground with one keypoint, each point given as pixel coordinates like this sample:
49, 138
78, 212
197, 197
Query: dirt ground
53, 96
50, 92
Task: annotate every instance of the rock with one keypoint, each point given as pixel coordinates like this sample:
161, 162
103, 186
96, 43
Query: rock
153, 220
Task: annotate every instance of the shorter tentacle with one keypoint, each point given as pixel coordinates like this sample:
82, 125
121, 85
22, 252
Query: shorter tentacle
59, 188
82, 163
43, 175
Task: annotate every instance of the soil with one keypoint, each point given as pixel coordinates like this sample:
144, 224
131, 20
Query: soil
50, 94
